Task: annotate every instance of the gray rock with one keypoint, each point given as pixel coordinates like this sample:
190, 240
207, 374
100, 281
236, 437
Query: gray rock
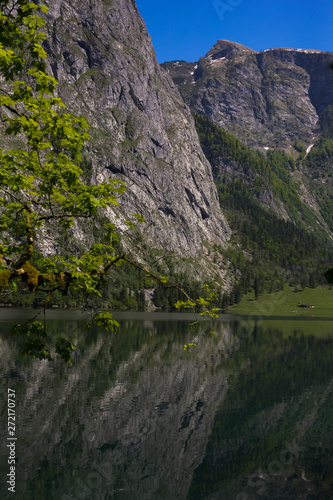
142, 132
266, 99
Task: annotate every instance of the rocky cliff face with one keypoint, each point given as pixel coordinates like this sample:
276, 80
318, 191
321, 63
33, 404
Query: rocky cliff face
142, 132
266, 99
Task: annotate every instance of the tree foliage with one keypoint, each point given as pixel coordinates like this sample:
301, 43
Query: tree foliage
42, 185
41, 179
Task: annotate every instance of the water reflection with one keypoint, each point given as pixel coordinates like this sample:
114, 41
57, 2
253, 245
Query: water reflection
246, 415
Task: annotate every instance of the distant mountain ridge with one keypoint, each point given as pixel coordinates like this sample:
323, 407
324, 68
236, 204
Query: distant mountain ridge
265, 122
266, 99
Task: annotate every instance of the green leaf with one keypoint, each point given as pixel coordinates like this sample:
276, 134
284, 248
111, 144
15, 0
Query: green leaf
104, 320
36, 348
139, 218
64, 348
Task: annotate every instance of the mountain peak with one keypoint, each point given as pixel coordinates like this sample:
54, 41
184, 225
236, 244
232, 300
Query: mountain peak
227, 49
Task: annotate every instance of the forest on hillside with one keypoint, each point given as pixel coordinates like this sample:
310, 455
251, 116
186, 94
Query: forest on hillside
267, 250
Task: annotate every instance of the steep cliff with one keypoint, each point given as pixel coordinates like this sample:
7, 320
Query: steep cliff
267, 99
142, 132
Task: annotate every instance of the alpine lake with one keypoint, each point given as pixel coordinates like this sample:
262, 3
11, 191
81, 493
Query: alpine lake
245, 414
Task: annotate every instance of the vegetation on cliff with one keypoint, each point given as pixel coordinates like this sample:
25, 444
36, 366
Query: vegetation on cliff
266, 249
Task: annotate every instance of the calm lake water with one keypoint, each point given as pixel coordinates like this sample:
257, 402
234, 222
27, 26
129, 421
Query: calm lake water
247, 414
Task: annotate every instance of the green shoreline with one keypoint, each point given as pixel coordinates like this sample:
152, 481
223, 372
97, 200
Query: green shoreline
286, 304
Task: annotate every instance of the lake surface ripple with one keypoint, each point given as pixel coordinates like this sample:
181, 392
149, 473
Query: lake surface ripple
246, 414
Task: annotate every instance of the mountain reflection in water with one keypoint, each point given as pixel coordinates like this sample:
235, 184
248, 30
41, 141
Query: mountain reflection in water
246, 414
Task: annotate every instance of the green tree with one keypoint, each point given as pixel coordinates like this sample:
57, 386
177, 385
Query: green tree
41, 179
257, 287
41, 183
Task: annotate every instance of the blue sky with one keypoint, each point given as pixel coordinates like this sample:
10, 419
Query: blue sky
187, 29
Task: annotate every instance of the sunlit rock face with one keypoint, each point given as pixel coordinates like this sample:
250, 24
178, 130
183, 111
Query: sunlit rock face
267, 99
142, 132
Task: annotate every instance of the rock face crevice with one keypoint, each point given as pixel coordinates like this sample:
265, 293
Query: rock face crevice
142, 132
267, 99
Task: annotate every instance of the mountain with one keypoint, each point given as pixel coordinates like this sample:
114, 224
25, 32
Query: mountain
269, 183
267, 99
142, 132
265, 124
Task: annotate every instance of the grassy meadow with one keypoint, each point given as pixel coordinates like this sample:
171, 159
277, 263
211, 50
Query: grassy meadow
286, 303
